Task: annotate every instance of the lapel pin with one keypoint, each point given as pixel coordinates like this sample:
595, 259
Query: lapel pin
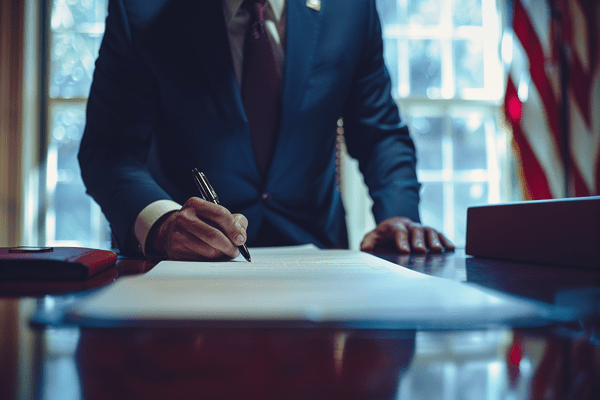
314, 4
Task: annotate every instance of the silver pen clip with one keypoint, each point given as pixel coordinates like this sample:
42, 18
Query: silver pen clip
206, 190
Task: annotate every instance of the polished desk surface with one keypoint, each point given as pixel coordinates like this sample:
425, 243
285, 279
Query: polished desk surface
558, 361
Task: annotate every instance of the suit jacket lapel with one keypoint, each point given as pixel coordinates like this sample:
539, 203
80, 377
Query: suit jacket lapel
204, 21
302, 32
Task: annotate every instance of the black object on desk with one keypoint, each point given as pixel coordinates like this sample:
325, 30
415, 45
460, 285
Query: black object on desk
558, 232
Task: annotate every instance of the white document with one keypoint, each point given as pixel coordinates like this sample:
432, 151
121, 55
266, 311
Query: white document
307, 263
296, 286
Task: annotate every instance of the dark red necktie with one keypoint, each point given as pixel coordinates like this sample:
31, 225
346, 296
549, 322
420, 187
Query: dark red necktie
260, 86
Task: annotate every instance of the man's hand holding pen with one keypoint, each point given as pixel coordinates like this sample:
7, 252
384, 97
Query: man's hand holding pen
200, 230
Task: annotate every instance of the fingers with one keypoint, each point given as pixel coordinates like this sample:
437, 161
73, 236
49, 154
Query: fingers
417, 234
369, 241
435, 244
446, 243
237, 232
203, 229
186, 245
215, 226
406, 236
424, 238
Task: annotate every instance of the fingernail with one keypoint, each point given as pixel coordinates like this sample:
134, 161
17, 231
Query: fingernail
239, 239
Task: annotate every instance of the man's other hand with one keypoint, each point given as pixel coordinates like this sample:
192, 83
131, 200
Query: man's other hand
404, 235
200, 230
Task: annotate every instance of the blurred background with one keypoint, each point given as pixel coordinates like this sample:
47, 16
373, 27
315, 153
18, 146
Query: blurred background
461, 75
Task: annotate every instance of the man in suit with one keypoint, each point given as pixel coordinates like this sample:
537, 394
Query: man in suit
167, 97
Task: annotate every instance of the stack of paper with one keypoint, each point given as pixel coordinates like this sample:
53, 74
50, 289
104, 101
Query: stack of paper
303, 286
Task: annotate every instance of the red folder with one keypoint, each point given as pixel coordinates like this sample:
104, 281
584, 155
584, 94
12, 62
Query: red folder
53, 263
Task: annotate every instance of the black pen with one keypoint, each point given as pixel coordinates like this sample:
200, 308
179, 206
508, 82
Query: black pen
209, 194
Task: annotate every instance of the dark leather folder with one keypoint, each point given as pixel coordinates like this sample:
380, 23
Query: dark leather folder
53, 263
559, 232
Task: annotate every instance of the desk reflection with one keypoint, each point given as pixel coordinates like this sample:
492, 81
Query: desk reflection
136, 363
569, 367
560, 361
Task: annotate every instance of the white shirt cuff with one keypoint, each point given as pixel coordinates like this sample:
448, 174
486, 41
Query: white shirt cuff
148, 216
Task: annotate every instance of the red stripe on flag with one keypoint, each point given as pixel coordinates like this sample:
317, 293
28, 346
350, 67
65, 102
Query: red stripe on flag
535, 182
581, 83
582, 90
580, 77
580, 187
528, 38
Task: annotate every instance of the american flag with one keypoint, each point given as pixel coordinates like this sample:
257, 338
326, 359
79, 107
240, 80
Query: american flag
553, 96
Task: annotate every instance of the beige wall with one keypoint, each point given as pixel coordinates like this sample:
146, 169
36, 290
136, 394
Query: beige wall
11, 45
19, 120
11, 63
19, 105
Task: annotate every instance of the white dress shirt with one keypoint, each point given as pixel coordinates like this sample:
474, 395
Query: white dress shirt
237, 20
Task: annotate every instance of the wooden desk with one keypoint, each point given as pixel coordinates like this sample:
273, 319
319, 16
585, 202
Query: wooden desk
558, 361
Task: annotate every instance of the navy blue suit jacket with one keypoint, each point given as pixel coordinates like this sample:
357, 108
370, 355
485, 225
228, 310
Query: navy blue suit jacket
165, 99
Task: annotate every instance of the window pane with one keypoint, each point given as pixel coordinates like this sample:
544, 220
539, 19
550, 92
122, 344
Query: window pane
76, 14
388, 12
72, 64
424, 12
427, 134
465, 195
467, 12
468, 64
391, 62
468, 137
66, 128
432, 204
425, 68
74, 217
76, 29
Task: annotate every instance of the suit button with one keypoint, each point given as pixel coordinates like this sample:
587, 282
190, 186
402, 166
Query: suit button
266, 196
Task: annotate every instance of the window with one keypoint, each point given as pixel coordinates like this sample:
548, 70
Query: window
443, 57
75, 31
